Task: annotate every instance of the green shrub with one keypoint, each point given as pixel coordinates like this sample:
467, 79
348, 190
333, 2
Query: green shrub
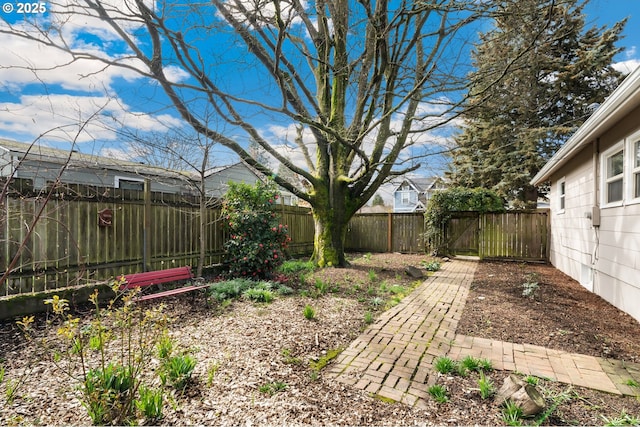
109, 393
444, 365
296, 267
486, 386
230, 289
439, 393
177, 370
150, 403
256, 243
259, 295
309, 312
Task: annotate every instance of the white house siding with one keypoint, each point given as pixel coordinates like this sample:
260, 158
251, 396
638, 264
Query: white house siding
572, 237
605, 260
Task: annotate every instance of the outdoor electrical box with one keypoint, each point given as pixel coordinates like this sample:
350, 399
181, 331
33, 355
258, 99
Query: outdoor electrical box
595, 216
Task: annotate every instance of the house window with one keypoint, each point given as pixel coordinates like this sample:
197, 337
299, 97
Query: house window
561, 193
129, 183
406, 197
613, 175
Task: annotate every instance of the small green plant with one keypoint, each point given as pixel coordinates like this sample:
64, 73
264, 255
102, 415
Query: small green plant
444, 365
296, 267
486, 386
177, 370
2, 371
314, 375
211, 373
150, 403
368, 318
623, 419
431, 265
322, 287
439, 393
164, 346
530, 379
11, 390
230, 289
530, 286
475, 364
511, 414
398, 290
309, 312
367, 256
273, 387
630, 383
376, 302
289, 358
372, 275
259, 295
110, 393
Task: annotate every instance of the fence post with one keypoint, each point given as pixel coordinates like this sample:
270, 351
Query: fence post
146, 233
389, 232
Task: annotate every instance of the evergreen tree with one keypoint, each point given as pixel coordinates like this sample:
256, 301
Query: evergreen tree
377, 200
551, 71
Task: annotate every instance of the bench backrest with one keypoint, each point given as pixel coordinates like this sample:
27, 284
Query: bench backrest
149, 278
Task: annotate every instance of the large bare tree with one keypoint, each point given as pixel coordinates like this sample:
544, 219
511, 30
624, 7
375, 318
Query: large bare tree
358, 82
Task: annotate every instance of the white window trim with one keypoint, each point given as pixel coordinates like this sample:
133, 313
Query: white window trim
603, 175
407, 194
633, 170
562, 196
117, 179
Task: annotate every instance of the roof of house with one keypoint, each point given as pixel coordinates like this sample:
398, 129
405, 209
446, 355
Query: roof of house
621, 101
90, 161
420, 184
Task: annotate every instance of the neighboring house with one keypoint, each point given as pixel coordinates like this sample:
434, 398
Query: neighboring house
217, 181
412, 195
43, 165
595, 200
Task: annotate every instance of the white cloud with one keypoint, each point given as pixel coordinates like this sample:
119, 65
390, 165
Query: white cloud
81, 118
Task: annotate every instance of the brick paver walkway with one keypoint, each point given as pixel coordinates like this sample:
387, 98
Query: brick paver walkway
393, 357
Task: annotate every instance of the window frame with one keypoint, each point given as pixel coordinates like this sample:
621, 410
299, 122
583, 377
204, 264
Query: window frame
633, 142
606, 181
118, 179
562, 195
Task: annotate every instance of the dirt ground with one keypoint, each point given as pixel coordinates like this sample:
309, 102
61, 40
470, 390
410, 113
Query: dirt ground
248, 345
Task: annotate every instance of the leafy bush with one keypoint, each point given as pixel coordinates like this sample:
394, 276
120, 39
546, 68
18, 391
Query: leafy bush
259, 295
230, 289
444, 203
439, 393
176, 371
257, 241
309, 312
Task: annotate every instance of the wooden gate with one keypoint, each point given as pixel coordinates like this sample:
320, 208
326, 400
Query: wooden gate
462, 234
522, 235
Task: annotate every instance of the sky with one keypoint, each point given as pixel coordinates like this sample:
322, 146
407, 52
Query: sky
61, 104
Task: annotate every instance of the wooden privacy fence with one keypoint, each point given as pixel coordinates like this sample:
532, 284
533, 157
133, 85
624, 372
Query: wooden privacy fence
386, 232
522, 235
83, 234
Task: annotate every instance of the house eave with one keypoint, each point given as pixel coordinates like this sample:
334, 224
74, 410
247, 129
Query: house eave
623, 100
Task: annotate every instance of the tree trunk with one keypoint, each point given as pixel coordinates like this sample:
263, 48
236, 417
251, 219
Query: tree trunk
328, 242
526, 396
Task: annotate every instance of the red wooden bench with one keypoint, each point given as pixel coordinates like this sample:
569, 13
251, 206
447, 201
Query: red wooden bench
150, 278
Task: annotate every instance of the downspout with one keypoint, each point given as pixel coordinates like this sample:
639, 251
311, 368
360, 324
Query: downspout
595, 210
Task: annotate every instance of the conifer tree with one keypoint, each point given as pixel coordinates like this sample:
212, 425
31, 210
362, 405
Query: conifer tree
551, 72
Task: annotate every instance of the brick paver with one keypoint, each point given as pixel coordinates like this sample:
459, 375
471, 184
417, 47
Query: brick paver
393, 356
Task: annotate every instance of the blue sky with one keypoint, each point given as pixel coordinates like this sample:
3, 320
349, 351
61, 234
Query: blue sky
55, 102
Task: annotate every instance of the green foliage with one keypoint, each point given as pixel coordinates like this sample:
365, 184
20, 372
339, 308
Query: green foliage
230, 289
112, 348
296, 267
309, 312
431, 265
368, 318
110, 393
376, 302
150, 403
439, 393
521, 120
530, 286
444, 203
630, 383
257, 241
259, 294
2, 372
530, 379
511, 414
273, 387
623, 419
322, 287
211, 373
177, 370
444, 365
372, 275
486, 386
324, 360
475, 364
